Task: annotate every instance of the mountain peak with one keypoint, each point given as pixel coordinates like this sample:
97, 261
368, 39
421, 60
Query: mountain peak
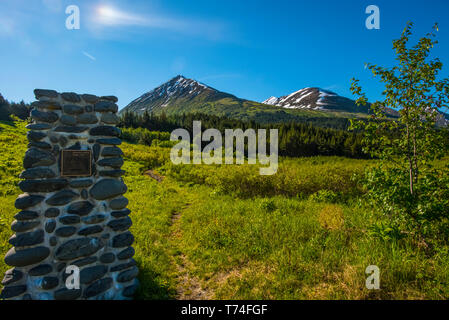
313, 98
180, 81
178, 77
170, 93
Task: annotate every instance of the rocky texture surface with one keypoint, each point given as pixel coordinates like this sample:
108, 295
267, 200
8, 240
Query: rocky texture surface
71, 221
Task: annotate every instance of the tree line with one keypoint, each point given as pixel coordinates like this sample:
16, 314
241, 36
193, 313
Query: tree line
295, 139
21, 109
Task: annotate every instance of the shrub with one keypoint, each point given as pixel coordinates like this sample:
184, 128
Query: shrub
325, 196
331, 217
268, 205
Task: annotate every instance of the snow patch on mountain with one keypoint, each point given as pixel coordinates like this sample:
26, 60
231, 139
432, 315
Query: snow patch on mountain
306, 98
271, 100
313, 98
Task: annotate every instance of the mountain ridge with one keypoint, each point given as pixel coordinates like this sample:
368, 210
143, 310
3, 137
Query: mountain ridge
180, 87
181, 95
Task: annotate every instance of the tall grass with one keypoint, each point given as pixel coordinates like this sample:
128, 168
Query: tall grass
294, 178
13, 144
301, 249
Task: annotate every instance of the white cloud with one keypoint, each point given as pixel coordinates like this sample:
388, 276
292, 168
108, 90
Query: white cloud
91, 57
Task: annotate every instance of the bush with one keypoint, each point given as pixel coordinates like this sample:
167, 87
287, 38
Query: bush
325, 196
268, 205
423, 214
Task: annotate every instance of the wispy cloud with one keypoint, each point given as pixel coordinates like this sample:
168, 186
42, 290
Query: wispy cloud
110, 16
91, 57
105, 16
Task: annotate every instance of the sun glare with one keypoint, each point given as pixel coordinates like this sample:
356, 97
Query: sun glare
107, 12
112, 16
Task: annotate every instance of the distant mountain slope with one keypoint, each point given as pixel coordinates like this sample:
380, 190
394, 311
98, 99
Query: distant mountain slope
316, 99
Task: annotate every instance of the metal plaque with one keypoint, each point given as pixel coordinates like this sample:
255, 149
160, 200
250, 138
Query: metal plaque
76, 163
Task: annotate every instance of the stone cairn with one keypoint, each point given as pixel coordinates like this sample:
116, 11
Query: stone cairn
66, 221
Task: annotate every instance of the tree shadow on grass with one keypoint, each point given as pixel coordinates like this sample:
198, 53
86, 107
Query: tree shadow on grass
152, 286
10, 123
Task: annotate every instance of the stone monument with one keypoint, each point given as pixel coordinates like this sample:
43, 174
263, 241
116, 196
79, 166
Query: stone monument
73, 212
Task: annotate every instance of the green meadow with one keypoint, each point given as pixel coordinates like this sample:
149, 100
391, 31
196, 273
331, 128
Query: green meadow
226, 232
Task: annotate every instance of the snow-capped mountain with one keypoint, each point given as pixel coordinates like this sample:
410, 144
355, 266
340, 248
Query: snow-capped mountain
315, 99
176, 91
182, 95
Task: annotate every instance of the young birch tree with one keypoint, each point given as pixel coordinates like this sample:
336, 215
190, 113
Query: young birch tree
406, 131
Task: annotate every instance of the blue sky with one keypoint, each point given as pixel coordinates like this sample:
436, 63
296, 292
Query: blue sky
253, 49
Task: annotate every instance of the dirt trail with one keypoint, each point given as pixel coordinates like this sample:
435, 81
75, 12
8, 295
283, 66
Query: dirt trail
189, 287
154, 175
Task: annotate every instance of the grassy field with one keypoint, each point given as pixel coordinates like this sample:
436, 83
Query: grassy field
225, 232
